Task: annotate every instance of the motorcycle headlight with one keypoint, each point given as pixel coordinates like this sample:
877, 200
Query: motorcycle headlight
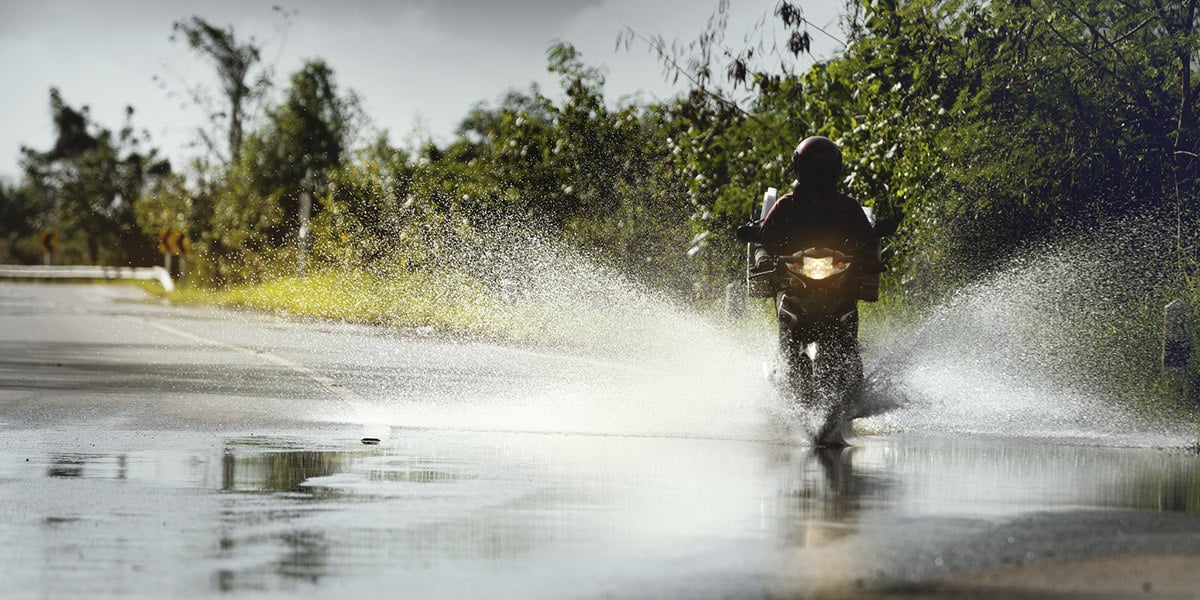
818, 268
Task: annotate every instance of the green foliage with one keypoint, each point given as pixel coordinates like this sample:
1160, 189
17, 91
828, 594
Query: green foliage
21, 217
579, 169
166, 203
989, 125
88, 183
306, 136
374, 218
252, 208
1019, 121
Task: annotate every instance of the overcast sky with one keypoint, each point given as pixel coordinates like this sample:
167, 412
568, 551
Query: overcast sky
418, 65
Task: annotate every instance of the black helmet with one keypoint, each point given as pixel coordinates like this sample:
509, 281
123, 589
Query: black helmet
817, 163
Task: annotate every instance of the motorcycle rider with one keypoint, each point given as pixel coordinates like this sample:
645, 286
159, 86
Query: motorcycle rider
816, 214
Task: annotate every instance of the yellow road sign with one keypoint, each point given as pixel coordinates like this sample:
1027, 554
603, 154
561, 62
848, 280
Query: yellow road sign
49, 241
174, 241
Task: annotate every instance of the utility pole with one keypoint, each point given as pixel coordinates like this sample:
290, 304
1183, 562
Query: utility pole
302, 236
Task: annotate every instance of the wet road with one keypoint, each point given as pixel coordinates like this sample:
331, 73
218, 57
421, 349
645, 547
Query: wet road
153, 450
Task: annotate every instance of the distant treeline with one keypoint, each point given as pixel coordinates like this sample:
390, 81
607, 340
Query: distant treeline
988, 125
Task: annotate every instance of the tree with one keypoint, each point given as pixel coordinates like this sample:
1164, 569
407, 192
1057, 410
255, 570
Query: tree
1049, 115
91, 178
234, 60
304, 138
22, 214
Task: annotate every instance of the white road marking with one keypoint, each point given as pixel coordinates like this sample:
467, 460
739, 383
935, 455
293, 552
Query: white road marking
335, 388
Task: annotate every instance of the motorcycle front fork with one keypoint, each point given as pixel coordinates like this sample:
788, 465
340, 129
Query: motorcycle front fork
828, 367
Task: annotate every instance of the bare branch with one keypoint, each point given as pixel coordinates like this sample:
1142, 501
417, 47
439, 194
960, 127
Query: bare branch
1136, 29
659, 47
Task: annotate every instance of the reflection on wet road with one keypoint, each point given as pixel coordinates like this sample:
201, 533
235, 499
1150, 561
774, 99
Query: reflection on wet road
220, 461
434, 513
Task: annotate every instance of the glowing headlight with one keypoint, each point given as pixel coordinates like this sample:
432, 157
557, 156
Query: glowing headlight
818, 268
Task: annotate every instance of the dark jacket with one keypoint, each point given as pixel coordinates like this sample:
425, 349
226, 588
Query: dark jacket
799, 221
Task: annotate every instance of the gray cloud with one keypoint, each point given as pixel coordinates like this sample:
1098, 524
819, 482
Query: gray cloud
462, 19
493, 20
513, 16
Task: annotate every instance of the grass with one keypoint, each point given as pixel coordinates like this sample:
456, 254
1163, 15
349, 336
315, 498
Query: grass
448, 303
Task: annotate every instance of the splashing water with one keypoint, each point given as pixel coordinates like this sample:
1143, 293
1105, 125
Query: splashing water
1030, 350
622, 358
1002, 357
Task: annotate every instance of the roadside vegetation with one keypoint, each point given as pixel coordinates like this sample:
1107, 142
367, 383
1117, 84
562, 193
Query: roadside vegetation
410, 300
992, 127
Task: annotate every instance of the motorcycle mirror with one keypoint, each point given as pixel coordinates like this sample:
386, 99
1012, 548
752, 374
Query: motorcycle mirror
751, 234
886, 227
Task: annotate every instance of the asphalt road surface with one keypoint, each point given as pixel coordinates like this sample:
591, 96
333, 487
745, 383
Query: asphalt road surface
152, 450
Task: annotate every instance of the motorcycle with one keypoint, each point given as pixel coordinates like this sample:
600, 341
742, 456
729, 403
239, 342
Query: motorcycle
816, 292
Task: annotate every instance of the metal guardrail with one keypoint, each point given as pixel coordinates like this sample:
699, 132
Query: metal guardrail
158, 274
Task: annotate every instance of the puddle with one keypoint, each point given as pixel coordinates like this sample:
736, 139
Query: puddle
443, 513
